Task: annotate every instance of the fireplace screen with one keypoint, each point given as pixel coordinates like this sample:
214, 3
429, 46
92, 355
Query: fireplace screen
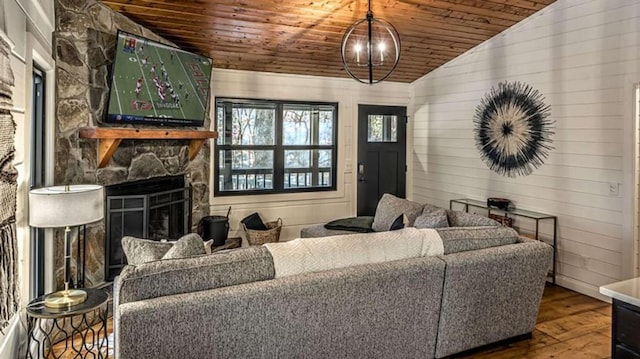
158, 208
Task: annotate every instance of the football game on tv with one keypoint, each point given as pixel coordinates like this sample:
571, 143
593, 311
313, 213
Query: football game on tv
152, 83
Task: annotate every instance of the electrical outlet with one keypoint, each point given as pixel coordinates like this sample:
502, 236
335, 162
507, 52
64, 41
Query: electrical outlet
614, 189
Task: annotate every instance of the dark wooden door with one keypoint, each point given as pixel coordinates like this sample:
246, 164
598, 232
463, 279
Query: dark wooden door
382, 157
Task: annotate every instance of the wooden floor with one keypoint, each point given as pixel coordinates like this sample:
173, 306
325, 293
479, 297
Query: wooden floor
570, 325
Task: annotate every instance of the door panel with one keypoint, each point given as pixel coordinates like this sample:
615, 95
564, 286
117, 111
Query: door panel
371, 165
381, 154
389, 181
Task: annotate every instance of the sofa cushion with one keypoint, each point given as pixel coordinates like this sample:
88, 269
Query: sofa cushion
464, 219
437, 218
390, 207
139, 250
174, 276
461, 239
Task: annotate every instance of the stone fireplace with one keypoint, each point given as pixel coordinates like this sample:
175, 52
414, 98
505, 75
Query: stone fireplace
84, 44
156, 208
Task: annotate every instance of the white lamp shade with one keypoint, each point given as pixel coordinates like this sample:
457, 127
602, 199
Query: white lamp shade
61, 206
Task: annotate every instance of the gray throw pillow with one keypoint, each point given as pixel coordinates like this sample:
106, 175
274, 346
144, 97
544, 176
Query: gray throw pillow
464, 219
390, 207
138, 250
187, 246
429, 208
435, 219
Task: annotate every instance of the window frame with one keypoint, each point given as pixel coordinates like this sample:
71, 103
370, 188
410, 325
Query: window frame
278, 147
38, 153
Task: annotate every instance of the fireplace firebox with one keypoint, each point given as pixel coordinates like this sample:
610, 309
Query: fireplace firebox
157, 208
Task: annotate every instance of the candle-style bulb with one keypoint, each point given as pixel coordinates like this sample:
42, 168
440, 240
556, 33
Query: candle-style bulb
381, 48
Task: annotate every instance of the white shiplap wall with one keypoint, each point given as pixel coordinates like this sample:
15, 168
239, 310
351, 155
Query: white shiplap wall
584, 56
304, 209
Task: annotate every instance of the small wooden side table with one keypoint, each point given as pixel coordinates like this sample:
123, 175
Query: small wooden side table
87, 321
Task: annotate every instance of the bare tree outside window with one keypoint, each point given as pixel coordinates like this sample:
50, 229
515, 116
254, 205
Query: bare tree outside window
271, 146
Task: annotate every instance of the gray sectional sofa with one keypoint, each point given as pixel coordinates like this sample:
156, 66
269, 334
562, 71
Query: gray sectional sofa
484, 287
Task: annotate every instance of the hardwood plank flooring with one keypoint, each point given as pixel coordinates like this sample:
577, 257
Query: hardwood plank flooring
569, 325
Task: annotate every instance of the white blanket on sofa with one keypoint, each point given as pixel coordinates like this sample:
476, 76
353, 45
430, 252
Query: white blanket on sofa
304, 255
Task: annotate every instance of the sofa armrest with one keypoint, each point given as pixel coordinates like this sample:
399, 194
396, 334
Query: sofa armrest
184, 275
491, 294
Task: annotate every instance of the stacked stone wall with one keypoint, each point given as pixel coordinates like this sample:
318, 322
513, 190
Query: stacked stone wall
84, 45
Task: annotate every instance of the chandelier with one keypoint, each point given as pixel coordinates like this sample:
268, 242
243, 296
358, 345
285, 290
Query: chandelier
370, 49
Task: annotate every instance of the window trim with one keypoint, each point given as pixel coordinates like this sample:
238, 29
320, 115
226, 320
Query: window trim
278, 149
38, 153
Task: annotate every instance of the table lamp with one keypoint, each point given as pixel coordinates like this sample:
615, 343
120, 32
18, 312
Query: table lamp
65, 206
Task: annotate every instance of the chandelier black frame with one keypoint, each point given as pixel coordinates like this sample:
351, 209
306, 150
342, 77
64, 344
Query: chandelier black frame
389, 29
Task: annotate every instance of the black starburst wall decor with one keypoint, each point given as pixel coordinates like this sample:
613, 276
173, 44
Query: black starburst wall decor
513, 130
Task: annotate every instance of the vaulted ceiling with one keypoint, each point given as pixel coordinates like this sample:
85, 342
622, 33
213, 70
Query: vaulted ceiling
304, 36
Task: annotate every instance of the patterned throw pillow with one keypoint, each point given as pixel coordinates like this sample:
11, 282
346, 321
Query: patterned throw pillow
390, 207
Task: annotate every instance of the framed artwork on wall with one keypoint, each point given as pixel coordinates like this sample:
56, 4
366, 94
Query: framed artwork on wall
512, 129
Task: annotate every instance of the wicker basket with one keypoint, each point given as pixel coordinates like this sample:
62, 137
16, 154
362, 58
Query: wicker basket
257, 237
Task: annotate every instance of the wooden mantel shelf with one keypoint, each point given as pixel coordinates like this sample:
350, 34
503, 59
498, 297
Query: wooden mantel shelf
109, 139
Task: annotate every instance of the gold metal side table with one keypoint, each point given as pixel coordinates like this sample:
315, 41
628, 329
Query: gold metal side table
87, 321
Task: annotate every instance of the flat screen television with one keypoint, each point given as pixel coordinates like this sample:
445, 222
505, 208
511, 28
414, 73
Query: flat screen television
153, 83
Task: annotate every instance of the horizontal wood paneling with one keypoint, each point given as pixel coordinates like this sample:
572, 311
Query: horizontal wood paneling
583, 57
302, 37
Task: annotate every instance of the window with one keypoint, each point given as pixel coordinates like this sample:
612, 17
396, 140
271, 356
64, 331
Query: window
37, 179
275, 146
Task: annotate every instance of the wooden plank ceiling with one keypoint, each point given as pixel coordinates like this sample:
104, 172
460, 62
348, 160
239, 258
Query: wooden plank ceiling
304, 36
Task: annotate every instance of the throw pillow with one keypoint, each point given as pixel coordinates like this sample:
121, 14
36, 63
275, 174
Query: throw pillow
390, 207
429, 208
187, 246
361, 224
464, 219
398, 223
436, 219
208, 246
139, 251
